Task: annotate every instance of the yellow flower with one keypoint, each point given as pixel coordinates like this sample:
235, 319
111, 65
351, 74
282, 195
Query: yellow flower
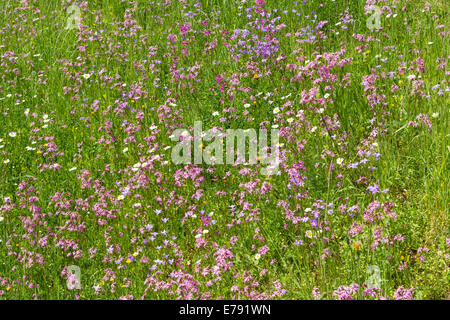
356, 245
256, 76
128, 261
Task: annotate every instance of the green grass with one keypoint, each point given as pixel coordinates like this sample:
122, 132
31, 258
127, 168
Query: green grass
413, 162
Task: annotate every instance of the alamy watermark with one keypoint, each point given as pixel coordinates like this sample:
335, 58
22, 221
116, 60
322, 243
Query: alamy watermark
374, 21
74, 17
73, 277
374, 281
213, 153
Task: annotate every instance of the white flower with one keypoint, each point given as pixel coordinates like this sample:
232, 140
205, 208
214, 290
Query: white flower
86, 75
276, 110
247, 105
120, 197
326, 95
321, 110
73, 168
290, 120
411, 76
125, 150
1, 218
435, 115
6, 161
275, 126
339, 160
12, 134
153, 127
313, 129
205, 231
309, 234
430, 42
215, 113
257, 256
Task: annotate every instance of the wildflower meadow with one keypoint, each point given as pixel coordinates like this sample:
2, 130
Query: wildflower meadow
224, 149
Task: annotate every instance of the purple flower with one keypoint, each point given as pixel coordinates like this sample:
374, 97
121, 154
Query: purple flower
374, 189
